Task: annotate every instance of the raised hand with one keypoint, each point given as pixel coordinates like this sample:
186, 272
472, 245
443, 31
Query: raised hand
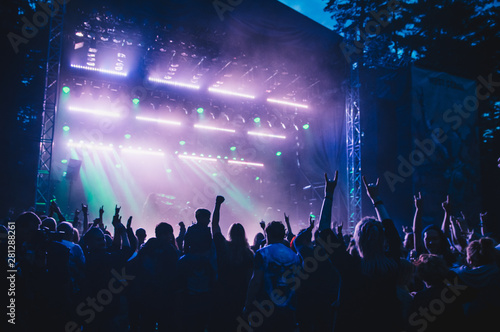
483, 216
101, 211
418, 201
219, 200
407, 230
446, 204
287, 219
263, 225
372, 189
117, 210
85, 209
311, 222
330, 185
339, 230
117, 219
129, 223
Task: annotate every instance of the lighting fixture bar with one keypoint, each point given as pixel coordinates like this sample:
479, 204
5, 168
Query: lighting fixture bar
143, 118
183, 85
265, 135
245, 163
94, 111
91, 146
214, 128
286, 103
196, 158
231, 93
105, 71
143, 152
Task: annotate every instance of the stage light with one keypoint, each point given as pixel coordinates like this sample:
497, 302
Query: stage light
104, 71
66, 89
256, 120
233, 148
286, 103
306, 126
278, 153
182, 142
265, 135
90, 145
196, 158
313, 216
200, 110
169, 170
183, 85
143, 152
214, 128
257, 178
94, 111
136, 101
225, 92
65, 128
64, 161
143, 118
127, 136
237, 162
214, 174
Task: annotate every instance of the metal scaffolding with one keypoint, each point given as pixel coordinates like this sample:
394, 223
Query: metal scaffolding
353, 145
43, 185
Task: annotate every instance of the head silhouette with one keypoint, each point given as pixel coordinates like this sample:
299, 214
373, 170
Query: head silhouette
202, 217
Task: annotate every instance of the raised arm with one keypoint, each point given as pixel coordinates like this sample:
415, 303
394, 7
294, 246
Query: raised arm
445, 226
390, 231
289, 232
326, 209
482, 221
130, 235
85, 212
216, 215
417, 223
373, 193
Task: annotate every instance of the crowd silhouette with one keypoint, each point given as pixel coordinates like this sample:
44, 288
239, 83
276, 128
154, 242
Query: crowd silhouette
81, 276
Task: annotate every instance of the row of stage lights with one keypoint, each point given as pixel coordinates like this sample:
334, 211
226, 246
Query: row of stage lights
178, 123
193, 86
158, 152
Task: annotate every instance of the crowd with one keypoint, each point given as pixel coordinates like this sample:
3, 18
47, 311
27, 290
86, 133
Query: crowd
81, 276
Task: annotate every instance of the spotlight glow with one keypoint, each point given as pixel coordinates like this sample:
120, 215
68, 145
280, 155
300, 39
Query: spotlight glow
278, 153
143, 152
287, 103
127, 136
265, 135
231, 93
66, 89
91, 146
65, 128
200, 110
94, 111
104, 71
196, 158
143, 118
233, 148
237, 162
136, 101
256, 120
214, 128
182, 85
306, 126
